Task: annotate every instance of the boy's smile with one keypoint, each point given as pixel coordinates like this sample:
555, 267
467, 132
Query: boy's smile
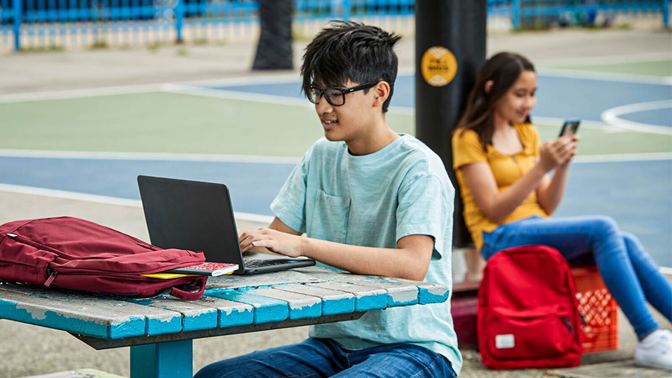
329, 124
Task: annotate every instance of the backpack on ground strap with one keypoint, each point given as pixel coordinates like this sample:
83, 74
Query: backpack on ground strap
528, 313
77, 254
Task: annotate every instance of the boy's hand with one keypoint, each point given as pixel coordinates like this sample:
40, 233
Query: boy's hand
275, 241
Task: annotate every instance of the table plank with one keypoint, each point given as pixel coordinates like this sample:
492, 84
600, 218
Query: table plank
366, 297
399, 293
301, 306
194, 316
265, 309
333, 301
78, 313
230, 314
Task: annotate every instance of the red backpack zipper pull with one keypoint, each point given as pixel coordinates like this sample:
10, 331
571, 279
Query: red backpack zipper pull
51, 278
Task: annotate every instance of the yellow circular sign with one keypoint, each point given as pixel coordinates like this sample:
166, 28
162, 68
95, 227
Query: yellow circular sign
438, 66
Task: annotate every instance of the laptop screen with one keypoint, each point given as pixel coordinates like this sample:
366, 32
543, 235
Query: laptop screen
192, 215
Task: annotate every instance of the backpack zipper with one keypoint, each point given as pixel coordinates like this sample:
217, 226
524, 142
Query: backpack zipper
35, 244
51, 278
568, 324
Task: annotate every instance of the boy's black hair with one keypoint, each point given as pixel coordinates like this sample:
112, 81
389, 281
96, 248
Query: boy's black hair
347, 50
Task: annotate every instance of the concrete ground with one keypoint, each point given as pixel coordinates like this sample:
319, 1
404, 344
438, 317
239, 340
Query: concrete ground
28, 350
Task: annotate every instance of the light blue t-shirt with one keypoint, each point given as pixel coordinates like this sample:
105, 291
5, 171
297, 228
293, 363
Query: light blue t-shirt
374, 200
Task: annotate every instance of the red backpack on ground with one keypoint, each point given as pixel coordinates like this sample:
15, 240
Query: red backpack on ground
528, 313
76, 254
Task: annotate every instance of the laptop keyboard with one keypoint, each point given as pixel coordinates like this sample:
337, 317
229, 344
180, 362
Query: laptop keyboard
258, 263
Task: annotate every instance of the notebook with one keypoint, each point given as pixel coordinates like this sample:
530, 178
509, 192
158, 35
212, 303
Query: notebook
198, 216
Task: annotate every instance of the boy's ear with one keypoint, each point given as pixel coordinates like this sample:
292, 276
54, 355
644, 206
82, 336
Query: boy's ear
381, 92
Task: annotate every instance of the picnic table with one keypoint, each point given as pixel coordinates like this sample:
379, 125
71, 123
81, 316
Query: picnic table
160, 330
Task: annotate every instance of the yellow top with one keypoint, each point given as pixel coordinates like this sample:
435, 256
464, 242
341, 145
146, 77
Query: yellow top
467, 148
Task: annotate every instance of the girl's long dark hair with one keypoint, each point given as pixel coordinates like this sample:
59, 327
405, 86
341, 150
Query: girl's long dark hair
503, 69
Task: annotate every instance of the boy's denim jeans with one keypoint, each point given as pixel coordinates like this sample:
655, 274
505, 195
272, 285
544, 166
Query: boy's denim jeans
324, 358
628, 271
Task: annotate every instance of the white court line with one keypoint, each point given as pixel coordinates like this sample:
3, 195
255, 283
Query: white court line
70, 195
605, 60
602, 76
80, 93
106, 200
614, 158
264, 98
551, 121
93, 155
611, 117
235, 95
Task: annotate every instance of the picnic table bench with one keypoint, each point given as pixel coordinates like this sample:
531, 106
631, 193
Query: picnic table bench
160, 330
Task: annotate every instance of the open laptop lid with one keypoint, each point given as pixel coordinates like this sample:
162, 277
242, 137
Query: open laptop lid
191, 215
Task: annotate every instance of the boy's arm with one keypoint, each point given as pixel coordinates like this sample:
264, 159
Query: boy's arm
410, 260
279, 225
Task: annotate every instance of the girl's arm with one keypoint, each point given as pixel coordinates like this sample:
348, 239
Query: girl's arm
550, 192
494, 204
498, 205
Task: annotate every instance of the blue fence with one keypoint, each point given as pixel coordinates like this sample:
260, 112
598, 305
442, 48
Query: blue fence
542, 13
59, 23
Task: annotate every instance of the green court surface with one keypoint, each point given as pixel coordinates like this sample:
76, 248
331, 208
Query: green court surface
661, 68
163, 122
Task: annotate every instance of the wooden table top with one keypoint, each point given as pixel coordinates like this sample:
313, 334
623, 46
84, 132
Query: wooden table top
231, 304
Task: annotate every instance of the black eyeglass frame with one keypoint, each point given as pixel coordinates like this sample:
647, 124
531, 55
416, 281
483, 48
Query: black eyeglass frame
319, 93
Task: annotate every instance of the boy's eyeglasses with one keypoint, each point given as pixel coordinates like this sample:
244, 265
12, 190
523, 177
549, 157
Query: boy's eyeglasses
335, 96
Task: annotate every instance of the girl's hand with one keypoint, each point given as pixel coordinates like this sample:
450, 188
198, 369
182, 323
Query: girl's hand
570, 152
557, 152
275, 241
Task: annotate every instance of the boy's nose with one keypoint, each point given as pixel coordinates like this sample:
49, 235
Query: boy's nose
323, 106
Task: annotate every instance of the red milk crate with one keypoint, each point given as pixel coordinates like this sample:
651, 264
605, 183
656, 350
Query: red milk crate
599, 311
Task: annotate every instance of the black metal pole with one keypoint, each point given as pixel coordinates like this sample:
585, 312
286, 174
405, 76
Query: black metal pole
274, 51
449, 50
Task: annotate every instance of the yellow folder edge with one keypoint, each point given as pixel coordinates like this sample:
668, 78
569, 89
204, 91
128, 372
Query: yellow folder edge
170, 276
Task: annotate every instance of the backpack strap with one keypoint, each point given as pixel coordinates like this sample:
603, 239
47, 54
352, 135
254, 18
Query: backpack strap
198, 286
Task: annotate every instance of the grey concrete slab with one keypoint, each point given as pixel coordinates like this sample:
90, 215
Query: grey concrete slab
620, 369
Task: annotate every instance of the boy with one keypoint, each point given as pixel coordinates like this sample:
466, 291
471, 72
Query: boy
371, 202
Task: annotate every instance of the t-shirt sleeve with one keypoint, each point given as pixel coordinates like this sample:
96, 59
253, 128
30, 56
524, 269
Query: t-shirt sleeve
424, 209
290, 204
467, 148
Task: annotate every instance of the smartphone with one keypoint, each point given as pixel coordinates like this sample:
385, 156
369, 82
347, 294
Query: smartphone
569, 128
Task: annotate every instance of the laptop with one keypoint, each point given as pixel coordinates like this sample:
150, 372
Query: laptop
198, 216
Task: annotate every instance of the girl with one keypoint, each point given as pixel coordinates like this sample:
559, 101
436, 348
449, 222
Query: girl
508, 197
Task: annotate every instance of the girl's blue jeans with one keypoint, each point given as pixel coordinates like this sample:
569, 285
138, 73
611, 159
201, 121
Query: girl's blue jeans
324, 358
627, 270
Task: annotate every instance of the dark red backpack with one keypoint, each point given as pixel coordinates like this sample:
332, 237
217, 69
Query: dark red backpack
528, 313
76, 254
